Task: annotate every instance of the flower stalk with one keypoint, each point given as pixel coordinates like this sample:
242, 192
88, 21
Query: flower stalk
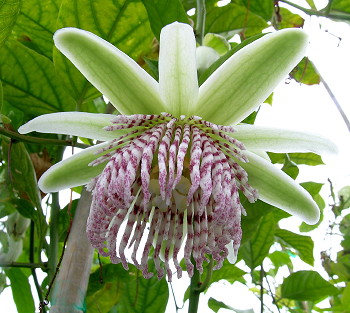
71, 283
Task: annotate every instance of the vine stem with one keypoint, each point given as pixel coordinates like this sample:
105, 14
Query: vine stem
55, 208
41, 141
73, 277
197, 287
200, 26
325, 13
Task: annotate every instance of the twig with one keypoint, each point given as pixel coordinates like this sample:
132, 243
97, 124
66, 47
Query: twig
31, 259
261, 289
336, 102
176, 306
43, 266
41, 141
271, 294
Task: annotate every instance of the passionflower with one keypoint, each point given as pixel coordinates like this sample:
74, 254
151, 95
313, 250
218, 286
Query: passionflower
175, 162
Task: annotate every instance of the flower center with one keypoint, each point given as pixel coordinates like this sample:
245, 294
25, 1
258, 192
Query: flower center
179, 175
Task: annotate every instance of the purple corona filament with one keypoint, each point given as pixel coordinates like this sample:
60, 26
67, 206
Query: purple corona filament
180, 177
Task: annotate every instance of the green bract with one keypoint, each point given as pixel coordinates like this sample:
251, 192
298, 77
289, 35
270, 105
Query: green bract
229, 95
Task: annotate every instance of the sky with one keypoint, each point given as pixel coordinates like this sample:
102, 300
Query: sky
296, 107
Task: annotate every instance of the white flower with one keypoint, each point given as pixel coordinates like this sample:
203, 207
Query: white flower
179, 172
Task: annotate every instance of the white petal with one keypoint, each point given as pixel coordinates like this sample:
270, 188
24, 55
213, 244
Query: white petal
73, 171
283, 140
81, 124
177, 68
278, 189
129, 88
247, 78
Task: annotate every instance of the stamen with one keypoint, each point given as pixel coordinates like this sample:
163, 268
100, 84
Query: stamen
138, 188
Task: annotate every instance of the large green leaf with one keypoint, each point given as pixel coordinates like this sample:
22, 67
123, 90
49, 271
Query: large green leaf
303, 245
229, 272
9, 10
233, 19
21, 290
255, 212
307, 286
161, 13
30, 82
280, 258
124, 291
124, 23
23, 180
36, 25
341, 6
144, 295
257, 248
289, 19
263, 8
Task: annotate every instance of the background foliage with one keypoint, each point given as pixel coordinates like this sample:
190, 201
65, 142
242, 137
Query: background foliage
36, 79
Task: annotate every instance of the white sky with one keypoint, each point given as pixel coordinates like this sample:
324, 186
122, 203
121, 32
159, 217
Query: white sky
294, 106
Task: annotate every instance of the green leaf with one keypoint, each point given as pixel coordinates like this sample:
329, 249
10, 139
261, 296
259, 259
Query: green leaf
23, 175
312, 187
229, 272
30, 82
289, 19
125, 291
344, 197
290, 168
307, 286
233, 19
306, 73
303, 245
103, 294
341, 6
123, 23
161, 13
280, 258
263, 8
6, 207
257, 248
2, 282
298, 158
345, 300
23, 179
153, 66
216, 305
21, 290
36, 24
9, 10
144, 295
255, 212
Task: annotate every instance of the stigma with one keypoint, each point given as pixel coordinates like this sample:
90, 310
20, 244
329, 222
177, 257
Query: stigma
169, 182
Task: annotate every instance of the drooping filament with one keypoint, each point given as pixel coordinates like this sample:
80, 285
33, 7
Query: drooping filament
180, 177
